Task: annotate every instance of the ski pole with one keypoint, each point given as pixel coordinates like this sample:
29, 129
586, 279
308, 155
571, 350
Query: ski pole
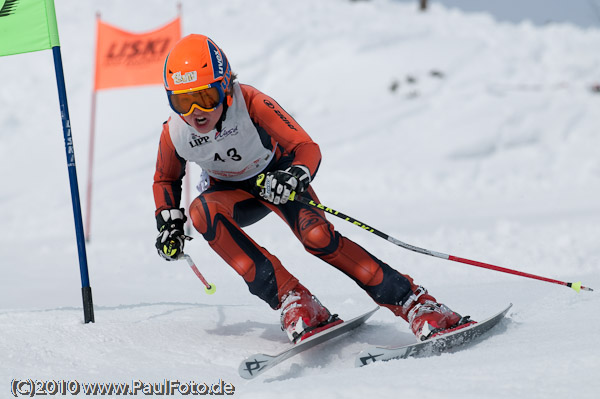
293, 197
210, 288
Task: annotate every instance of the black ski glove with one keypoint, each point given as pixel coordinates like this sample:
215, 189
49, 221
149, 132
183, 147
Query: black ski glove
170, 240
280, 184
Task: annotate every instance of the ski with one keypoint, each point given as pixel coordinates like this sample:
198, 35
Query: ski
433, 346
257, 364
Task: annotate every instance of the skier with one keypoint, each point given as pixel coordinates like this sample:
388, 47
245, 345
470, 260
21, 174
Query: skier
234, 132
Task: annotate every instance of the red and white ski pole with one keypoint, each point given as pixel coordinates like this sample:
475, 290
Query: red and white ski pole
210, 288
576, 286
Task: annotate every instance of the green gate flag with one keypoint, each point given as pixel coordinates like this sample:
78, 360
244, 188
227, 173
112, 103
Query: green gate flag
27, 25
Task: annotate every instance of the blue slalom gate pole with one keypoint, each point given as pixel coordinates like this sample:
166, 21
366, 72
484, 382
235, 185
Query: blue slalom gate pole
86, 290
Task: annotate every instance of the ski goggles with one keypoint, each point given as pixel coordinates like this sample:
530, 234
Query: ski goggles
206, 98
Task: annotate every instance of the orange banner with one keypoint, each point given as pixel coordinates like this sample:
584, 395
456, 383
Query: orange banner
132, 59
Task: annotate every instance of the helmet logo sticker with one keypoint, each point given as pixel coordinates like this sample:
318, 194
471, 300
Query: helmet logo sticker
220, 61
187, 77
217, 60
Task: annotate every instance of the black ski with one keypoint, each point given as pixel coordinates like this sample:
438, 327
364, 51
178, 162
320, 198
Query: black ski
257, 364
442, 343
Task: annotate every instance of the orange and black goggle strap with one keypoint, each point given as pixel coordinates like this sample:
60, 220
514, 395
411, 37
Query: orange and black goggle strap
206, 98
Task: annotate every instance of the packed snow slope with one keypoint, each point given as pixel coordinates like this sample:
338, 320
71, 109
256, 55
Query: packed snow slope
446, 130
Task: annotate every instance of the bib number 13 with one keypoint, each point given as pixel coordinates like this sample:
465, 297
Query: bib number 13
231, 154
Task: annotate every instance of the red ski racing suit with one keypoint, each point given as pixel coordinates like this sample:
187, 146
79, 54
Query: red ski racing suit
258, 136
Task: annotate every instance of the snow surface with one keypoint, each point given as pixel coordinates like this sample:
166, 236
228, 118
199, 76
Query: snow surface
490, 154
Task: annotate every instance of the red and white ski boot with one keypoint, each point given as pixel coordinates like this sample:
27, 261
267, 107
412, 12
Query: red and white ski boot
428, 318
302, 315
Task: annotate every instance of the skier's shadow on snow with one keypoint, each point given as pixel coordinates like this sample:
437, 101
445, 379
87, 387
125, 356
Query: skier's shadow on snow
270, 332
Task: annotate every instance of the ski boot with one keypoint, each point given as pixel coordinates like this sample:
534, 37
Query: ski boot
302, 315
428, 318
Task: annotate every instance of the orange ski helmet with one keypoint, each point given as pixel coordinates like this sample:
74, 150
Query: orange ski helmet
197, 74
